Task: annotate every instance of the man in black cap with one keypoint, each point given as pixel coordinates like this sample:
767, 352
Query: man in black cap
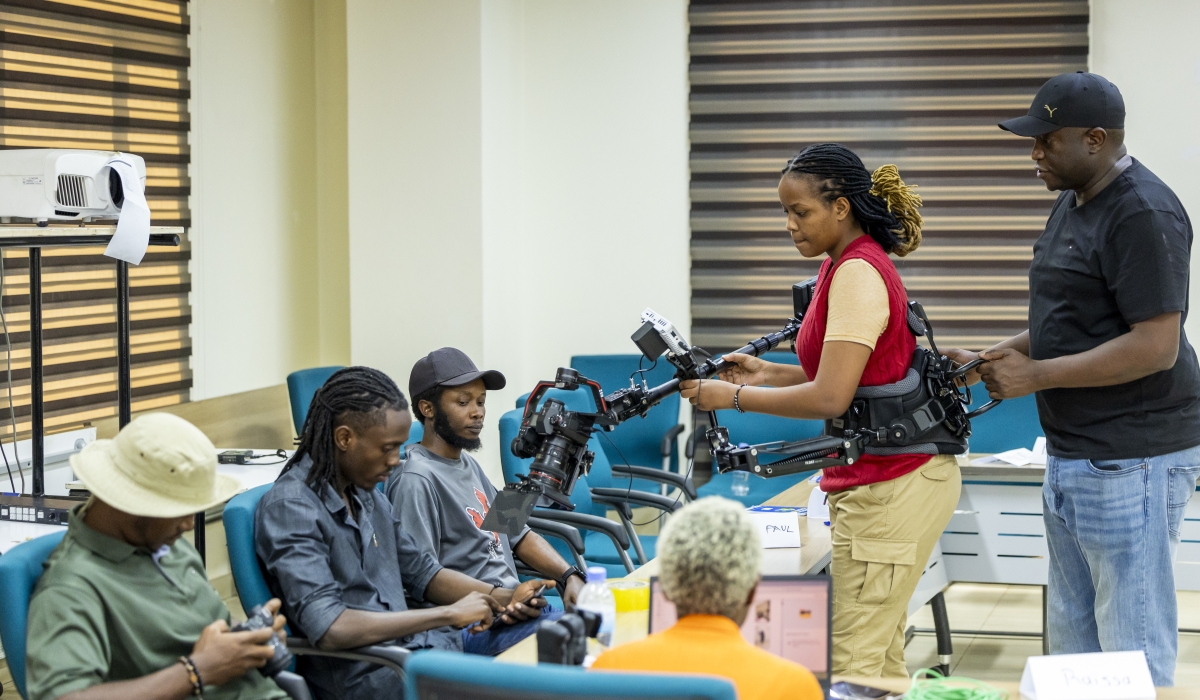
441, 495
1117, 383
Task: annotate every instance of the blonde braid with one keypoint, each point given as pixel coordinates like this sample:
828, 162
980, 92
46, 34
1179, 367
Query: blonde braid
903, 202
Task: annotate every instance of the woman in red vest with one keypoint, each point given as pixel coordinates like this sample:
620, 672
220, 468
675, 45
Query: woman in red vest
886, 512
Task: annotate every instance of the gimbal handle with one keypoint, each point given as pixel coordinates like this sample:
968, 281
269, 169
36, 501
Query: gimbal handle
964, 371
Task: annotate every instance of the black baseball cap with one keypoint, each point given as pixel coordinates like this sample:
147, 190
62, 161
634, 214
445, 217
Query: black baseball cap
1071, 99
449, 367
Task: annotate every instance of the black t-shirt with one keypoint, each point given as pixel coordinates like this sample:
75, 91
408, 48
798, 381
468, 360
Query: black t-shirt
1121, 258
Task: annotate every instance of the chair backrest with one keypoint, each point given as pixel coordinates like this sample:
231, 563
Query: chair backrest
638, 442
239, 538
302, 385
20, 570
441, 674
414, 436
1012, 424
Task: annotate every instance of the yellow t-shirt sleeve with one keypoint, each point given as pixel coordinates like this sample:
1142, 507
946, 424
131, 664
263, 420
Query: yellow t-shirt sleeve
858, 304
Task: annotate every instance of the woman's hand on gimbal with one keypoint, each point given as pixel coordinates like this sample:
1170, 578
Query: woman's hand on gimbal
747, 369
708, 394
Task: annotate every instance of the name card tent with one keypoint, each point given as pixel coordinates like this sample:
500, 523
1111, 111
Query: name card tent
35, 238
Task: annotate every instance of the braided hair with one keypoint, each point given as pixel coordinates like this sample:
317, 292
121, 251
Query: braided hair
882, 204
355, 396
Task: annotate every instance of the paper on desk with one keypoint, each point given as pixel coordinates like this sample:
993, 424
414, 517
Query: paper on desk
1020, 457
133, 225
777, 530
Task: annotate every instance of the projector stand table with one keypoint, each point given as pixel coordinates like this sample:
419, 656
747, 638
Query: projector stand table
35, 238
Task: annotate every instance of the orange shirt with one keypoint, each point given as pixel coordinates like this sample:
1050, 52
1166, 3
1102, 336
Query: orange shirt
712, 645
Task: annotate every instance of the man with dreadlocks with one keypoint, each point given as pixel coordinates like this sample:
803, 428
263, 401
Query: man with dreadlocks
886, 512
441, 494
340, 561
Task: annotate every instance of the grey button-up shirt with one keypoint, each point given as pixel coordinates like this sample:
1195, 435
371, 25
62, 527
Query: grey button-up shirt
320, 561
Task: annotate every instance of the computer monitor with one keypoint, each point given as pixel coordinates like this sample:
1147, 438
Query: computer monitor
790, 617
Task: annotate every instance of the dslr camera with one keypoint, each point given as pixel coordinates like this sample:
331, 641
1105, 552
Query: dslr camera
261, 618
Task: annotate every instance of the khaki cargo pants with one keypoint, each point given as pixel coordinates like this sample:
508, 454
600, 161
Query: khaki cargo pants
882, 537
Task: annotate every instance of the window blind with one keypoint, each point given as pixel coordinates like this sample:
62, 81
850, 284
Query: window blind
920, 84
105, 75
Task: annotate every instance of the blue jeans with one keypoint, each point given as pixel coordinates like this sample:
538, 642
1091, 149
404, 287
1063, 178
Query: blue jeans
1112, 527
498, 639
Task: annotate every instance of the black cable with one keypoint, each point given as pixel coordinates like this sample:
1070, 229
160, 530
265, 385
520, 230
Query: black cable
8, 371
639, 370
283, 457
629, 489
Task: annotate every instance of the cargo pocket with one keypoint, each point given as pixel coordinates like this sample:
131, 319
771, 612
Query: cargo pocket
886, 560
941, 470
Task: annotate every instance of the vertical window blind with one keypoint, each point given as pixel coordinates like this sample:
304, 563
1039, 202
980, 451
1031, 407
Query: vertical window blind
920, 84
107, 75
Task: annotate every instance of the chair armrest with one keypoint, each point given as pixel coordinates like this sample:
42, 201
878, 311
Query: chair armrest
293, 685
668, 441
679, 481
637, 498
392, 657
562, 531
588, 522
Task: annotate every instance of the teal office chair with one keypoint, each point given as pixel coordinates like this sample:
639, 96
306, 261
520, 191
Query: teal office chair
754, 429
651, 441
597, 493
302, 385
251, 584
20, 571
435, 675
1011, 424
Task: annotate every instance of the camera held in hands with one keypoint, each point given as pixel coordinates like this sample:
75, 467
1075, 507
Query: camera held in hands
564, 641
261, 618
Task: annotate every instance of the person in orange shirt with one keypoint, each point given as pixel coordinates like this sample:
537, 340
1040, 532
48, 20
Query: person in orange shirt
710, 556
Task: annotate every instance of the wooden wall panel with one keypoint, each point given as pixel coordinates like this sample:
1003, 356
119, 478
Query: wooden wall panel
105, 75
918, 83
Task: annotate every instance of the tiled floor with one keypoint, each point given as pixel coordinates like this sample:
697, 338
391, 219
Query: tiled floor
973, 606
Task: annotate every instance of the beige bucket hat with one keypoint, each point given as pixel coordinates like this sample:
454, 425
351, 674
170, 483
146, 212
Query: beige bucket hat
158, 466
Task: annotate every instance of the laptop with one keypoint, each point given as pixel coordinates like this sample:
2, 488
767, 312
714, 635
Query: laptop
790, 618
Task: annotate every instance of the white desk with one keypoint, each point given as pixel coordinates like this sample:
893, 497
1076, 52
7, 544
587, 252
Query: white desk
13, 533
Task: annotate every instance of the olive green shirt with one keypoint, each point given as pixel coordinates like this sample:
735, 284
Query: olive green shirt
106, 611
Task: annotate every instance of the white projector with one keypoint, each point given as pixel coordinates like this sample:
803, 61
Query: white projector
55, 184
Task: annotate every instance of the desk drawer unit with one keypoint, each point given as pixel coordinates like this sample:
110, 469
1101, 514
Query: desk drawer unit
1187, 559
997, 535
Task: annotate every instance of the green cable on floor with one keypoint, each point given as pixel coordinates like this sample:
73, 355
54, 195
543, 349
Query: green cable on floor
939, 687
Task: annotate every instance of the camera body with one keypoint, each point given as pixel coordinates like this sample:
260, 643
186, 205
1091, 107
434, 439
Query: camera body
564, 641
261, 618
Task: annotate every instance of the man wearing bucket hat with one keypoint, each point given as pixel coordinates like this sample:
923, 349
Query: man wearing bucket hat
125, 608
1117, 383
441, 494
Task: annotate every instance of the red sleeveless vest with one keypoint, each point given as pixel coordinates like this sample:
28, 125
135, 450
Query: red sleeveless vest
888, 363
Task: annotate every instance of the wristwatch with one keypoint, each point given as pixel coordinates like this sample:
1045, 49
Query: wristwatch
571, 571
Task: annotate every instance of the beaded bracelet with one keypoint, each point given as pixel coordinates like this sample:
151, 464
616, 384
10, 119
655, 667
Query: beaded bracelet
193, 676
735, 399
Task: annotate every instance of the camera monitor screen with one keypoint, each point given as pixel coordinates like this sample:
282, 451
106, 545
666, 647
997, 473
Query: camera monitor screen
790, 617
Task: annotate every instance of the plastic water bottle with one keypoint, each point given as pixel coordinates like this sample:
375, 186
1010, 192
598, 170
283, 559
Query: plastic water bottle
740, 485
597, 598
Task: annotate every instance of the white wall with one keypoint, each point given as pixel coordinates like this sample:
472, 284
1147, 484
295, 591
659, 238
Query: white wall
532, 156
1148, 49
253, 213
415, 216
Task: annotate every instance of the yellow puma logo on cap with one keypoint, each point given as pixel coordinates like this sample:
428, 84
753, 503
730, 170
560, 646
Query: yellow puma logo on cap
1051, 111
